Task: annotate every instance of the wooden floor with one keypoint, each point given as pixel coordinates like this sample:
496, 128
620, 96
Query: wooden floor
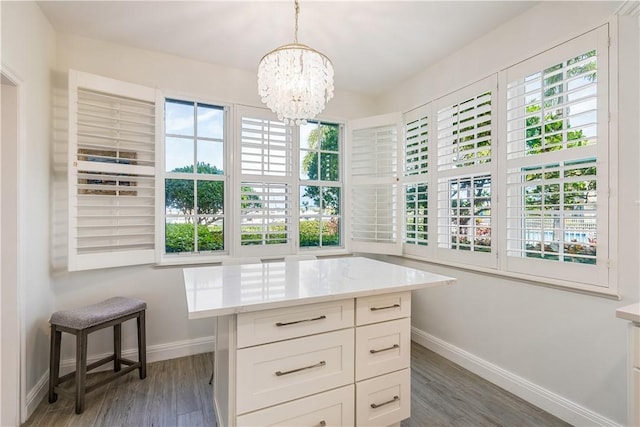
176, 393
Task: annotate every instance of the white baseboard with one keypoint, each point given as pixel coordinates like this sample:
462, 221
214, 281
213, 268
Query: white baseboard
155, 353
554, 404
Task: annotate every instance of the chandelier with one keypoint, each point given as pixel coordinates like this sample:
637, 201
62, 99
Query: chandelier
295, 81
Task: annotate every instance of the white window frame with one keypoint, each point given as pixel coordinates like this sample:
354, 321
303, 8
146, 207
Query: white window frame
419, 175
596, 278
292, 179
323, 184
162, 256
444, 173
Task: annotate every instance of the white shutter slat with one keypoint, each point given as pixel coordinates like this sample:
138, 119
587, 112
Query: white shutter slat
112, 173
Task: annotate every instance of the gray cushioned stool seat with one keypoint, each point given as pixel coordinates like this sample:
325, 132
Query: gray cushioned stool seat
85, 317
81, 322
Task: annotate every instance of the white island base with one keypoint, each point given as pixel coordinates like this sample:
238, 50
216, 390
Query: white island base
313, 343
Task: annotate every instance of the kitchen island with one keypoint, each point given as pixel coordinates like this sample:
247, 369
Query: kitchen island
314, 342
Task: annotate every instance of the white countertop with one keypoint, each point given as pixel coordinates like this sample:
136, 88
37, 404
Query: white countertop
630, 313
221, 290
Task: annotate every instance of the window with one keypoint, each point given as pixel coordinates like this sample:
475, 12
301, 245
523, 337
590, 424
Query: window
112, 131
556, 107
194, 178
465, 195
374, 167
265, 152
550, 175
290, 183
320, 185
416, 180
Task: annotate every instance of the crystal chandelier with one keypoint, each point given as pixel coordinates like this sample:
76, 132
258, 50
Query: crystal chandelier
295, 81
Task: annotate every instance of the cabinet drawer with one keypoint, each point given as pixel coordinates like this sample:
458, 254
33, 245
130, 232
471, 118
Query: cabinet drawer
274, 373
635, 342
384, 400
331, 408
382, 348
379, 308
291, 322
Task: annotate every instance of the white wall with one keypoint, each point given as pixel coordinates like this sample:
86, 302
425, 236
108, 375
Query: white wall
28, 48
564, 343
9, 315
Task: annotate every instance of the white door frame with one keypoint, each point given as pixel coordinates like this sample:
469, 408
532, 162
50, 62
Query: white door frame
12, 374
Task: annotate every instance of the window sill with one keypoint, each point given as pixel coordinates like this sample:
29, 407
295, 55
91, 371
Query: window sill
539, 281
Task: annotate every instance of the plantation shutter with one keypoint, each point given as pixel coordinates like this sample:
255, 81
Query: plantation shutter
416, 180
465, 129
557, 152
112, 154
266, 196
374, 170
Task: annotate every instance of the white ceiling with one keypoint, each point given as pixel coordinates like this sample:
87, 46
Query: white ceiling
373, 45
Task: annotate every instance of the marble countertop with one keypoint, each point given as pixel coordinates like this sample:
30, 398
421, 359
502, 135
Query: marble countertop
630, 312
221, 290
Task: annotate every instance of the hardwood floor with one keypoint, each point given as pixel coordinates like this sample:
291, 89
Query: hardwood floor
176, 393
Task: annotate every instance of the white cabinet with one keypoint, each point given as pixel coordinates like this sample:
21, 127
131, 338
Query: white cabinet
383, 354
335, 363
632, 314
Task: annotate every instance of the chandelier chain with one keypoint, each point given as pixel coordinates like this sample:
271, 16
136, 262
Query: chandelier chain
295, 34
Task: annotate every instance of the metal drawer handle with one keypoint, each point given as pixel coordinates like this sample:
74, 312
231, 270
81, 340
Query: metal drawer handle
377, 405
384, 349
385, 308
317, 365
300, 321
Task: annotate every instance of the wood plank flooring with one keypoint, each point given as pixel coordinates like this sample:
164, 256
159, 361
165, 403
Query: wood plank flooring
176, 393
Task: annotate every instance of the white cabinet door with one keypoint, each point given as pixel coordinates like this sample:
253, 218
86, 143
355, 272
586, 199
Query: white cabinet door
274, 373
333, 408
380, 308
384, 400
382, 348
266, 326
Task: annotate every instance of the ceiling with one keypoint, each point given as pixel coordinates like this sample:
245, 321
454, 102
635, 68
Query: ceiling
374, 45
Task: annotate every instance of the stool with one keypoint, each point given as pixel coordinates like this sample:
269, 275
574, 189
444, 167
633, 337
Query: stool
81, 322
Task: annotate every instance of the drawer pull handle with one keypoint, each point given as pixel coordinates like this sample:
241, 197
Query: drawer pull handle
385, 308
317, 365
323, 423
384, 349
377, 405
300, 321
